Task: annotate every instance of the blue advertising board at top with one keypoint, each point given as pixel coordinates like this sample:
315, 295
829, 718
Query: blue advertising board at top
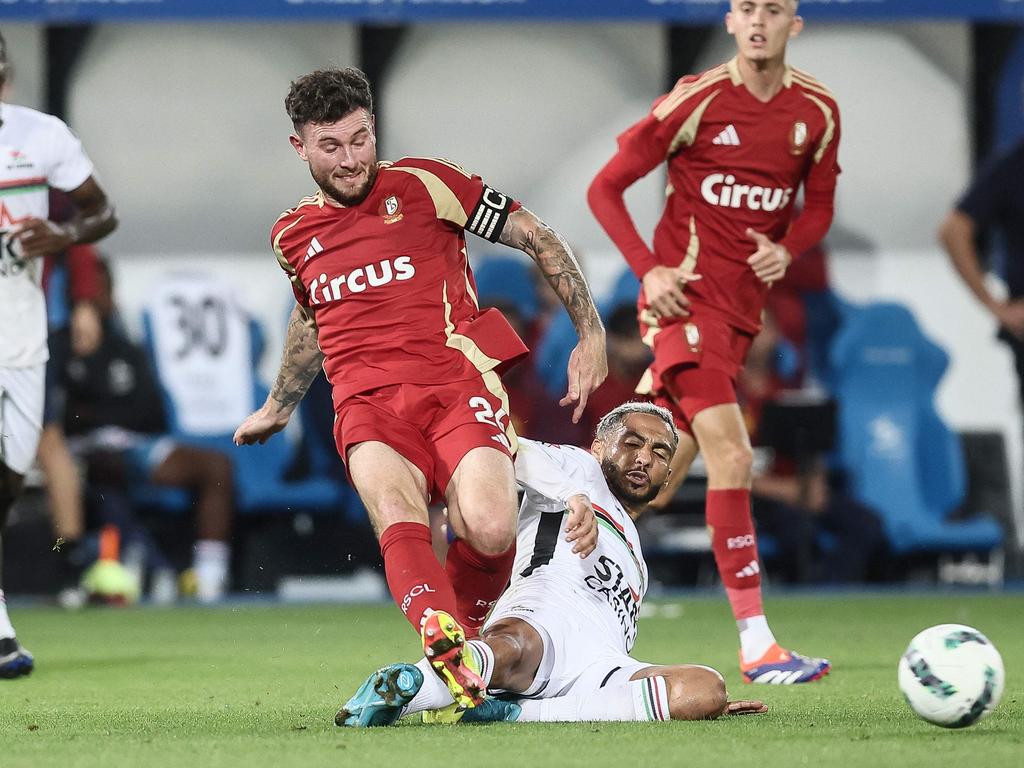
681, 11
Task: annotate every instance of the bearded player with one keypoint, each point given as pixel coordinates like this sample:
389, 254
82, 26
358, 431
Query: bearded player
387, 305
738, 140
556, 647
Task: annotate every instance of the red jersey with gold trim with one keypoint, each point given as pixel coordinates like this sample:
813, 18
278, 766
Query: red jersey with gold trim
389, 282
733, 162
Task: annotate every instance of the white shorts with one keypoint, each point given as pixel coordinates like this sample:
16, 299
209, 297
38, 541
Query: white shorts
21, 415
580, 654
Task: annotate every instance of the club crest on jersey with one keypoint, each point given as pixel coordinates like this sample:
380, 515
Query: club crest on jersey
798, 138
18, 159
391, 209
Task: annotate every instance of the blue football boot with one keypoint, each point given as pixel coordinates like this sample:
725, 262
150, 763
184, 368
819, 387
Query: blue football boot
781, 667
380, 699
15, 661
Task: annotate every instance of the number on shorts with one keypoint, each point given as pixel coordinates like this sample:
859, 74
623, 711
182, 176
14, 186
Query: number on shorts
486, 415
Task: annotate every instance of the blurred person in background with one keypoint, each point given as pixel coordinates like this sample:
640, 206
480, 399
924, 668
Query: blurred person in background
993, 204
739, 141
385, 304
38, 151
797, 502
70, 284
115, 421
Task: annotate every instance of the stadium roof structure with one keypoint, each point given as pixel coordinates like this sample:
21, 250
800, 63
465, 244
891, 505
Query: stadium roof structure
402, 11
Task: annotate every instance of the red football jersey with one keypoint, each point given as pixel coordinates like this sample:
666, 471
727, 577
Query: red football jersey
389, 282
733, 162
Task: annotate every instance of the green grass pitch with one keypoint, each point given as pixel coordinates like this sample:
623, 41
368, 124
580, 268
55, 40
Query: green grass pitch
258, 685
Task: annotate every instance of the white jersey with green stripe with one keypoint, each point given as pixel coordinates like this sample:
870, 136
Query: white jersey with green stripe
609, 584
37, 151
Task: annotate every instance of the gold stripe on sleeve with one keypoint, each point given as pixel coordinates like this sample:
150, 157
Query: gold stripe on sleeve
687, 132
684, 91
446, 204
830, 127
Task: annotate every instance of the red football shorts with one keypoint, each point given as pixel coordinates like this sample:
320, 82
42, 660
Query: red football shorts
431, 425
696, 362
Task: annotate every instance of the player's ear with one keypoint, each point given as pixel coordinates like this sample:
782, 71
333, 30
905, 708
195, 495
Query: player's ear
298, 145
797, 26
597, 448
728, 23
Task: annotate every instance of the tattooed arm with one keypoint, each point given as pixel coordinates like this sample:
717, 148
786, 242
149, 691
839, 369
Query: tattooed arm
299, 366
588, 364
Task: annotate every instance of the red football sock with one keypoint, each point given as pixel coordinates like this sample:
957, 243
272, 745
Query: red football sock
735, 548
415, 578
478, 580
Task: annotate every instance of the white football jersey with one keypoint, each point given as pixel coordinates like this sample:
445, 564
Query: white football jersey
610, 582
37, 151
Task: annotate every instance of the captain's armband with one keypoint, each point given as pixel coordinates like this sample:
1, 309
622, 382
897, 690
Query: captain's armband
488, 218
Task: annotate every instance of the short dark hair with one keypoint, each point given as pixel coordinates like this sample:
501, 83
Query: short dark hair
327, 95
612, 421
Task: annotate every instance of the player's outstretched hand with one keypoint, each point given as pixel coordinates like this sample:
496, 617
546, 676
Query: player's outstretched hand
40, 237
581, 526
770, 261
259, 426
588, 366
663, 287
745, 708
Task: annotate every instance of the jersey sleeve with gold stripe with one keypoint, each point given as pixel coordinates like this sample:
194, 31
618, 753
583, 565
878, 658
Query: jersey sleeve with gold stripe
460, 198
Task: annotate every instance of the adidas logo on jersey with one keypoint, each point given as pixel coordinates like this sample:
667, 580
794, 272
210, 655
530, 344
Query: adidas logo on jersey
314, 249
722, 190
728, 137
750, 569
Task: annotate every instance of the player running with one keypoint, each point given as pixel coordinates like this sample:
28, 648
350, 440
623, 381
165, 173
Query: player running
387, 303
739, 140
556, 646
39, 151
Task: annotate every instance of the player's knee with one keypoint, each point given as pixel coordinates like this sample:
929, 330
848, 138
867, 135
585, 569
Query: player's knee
492, 536
695, 693
734, 461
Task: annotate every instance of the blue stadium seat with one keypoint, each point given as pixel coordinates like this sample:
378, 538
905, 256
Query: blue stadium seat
900, 457
205, 350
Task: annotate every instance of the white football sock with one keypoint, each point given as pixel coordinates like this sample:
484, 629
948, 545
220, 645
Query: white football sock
434, 694
755, 638
210, 562
637, 700
6, 630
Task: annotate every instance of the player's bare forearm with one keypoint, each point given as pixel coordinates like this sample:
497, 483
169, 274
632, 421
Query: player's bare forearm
96, 218
300, 363
552, 254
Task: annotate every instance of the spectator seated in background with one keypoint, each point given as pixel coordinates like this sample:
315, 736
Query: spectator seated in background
794, 502
507, 284
116, 423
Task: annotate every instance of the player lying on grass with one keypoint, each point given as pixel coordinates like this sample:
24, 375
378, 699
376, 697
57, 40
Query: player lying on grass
556, 646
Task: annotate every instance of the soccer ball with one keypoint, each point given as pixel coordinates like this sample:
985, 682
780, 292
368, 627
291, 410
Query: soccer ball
951, 675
